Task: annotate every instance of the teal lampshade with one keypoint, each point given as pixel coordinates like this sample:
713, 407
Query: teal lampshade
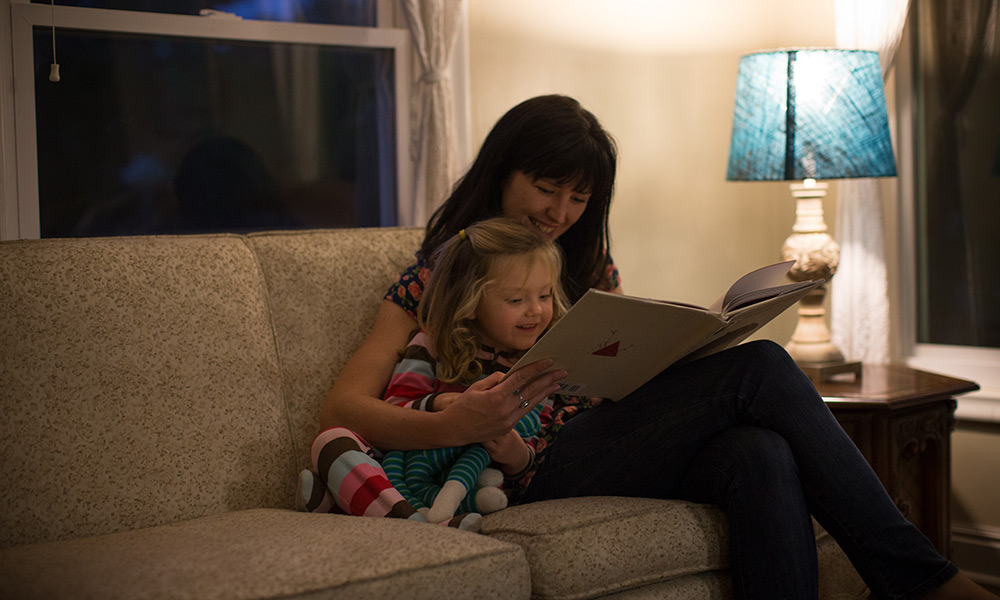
810, 114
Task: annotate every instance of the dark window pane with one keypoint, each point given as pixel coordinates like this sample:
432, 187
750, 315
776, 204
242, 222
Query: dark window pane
958, 74
147, 135
325, 12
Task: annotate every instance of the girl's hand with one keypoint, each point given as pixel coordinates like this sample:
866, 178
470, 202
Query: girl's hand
490, 407
510, 451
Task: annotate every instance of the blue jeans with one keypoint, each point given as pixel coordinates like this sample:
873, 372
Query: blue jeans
745, 429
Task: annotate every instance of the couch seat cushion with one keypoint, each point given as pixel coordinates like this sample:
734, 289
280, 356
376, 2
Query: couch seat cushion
588, 547
270, 553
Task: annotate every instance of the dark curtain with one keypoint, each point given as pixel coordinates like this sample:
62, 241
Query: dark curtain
959, 80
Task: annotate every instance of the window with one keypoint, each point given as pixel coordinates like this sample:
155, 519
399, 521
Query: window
951, 298
181, 123
326, 12
958, 136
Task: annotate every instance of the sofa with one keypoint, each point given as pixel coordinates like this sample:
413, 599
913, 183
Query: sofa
159, 395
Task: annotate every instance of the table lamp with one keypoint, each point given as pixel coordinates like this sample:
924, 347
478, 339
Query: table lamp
802, 115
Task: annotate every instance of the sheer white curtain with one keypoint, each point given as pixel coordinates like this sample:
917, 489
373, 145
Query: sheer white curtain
433, 25
859, 294
296, 77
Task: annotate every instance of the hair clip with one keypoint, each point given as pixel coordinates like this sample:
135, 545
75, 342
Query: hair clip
463, 235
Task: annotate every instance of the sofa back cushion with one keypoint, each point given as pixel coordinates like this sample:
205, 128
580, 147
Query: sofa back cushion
139, 385
325, 288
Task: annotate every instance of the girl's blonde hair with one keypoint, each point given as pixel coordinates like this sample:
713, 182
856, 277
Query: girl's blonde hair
461, 269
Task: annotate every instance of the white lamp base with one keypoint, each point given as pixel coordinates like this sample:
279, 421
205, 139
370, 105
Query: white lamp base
811, 342
817, 256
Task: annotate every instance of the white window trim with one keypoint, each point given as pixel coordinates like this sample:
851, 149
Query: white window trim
977, 364
8, 158
981, 365
19, 213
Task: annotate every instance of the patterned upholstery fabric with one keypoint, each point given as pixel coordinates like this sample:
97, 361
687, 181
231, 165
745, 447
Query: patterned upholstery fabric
139, 386
639, 548
269, 553
324, 289
589, 547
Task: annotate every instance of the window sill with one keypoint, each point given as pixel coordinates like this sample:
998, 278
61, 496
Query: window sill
981, 365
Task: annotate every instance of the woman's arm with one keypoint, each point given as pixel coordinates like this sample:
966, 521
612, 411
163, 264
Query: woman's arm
355, 399
488, 409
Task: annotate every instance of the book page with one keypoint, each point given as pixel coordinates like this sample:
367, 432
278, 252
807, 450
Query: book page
745, 320
755, 296
758, 279
612, 344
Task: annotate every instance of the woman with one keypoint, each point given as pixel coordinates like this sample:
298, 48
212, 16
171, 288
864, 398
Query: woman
743, 429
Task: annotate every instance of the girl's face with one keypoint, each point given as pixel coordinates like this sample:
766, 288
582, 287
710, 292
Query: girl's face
542, 203
516, 306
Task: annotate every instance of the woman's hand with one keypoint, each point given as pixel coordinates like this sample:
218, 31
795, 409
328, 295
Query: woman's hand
443, 400
490, 407
510, 451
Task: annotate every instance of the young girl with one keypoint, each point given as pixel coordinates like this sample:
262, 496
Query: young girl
494, 291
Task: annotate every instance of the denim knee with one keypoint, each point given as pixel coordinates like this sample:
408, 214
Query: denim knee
766, 355
741, 458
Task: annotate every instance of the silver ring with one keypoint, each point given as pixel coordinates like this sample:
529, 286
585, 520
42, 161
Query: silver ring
524, 403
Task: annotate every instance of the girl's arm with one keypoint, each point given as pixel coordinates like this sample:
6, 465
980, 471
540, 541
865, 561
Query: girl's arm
487, 410
510, 451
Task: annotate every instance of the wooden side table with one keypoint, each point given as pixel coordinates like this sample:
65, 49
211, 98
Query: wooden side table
901, 419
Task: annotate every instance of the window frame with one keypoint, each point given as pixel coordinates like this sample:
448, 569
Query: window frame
19, 202
978, 364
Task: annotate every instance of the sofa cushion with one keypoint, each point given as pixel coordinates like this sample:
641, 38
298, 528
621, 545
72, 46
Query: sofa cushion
324, 288
588, 547
270, 553
139, 385
632, 548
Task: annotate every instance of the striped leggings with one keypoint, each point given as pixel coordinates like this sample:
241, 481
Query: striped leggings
346, 478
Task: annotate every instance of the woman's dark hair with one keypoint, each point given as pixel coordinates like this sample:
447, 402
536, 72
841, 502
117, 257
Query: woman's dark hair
547, 137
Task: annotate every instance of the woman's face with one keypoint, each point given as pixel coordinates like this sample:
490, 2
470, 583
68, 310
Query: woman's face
547, 206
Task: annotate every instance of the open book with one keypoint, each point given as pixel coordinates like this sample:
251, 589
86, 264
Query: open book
612, 344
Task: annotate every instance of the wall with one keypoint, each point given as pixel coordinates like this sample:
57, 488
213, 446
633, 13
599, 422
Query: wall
975, 500
661, 77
